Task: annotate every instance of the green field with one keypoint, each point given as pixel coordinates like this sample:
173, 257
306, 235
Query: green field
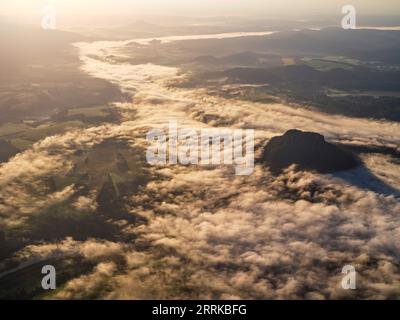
51, 129
21, 144
22, 136
10, 129
100, 111
288, 61
326, 65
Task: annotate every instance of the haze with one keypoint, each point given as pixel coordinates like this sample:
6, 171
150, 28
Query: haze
205, 7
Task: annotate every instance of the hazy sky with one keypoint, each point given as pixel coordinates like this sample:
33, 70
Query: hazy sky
201, 7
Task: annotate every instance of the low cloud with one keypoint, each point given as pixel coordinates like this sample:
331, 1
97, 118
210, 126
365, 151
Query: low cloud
273, 239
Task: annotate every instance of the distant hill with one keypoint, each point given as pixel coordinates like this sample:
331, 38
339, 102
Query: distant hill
358, 78
40, 74
24, 45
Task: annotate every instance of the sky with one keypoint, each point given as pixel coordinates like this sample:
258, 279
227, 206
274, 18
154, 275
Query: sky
203, 7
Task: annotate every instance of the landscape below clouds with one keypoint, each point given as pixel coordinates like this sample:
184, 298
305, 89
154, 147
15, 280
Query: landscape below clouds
76, 191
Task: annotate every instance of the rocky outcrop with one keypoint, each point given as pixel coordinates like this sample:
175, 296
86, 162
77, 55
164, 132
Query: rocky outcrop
307, 150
